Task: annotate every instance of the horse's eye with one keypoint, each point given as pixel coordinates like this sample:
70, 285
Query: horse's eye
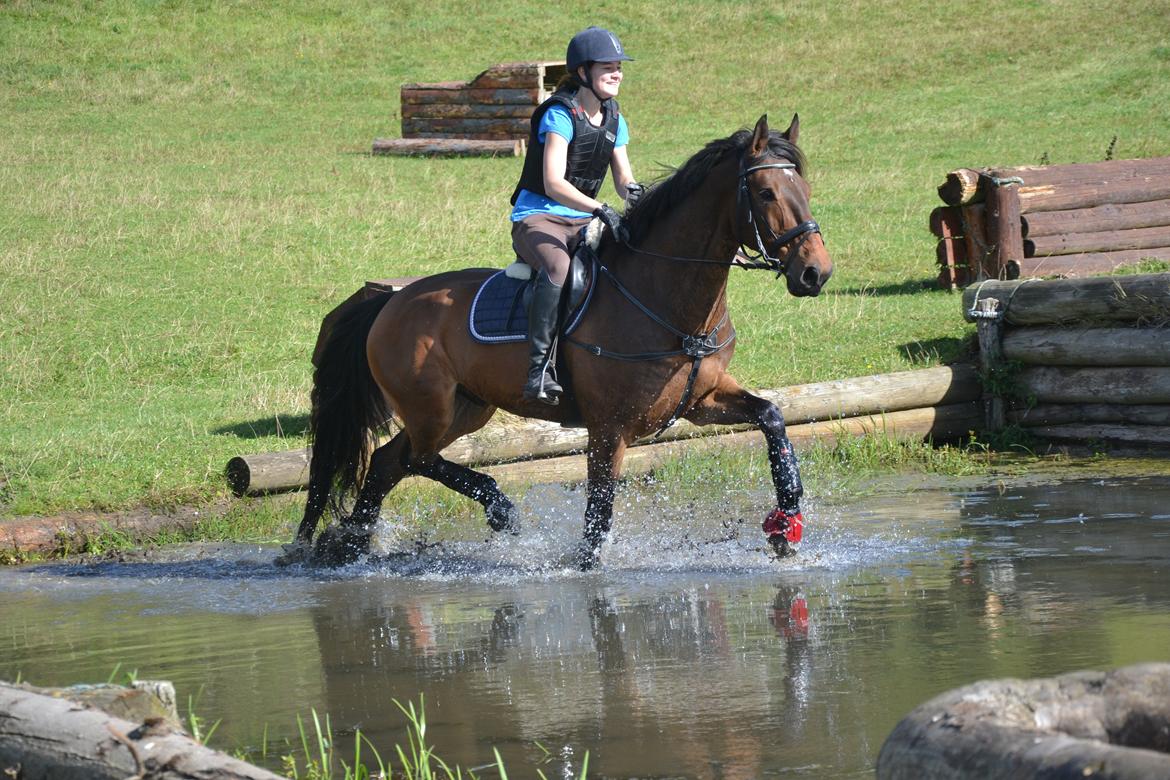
767, 195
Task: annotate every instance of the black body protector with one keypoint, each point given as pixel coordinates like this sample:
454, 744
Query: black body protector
590, 151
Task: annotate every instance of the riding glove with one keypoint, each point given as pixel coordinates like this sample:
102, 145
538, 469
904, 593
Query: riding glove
633, 193
612, 220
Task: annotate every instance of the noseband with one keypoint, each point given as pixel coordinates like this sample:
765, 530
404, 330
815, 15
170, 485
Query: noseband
799, 234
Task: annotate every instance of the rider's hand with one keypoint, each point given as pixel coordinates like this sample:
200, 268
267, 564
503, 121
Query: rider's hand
613, 221
634, 191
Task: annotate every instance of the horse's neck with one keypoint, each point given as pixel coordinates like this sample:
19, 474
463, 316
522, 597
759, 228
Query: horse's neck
691, 295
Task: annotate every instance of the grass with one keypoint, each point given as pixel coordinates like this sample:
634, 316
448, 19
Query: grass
321, 759
187, 190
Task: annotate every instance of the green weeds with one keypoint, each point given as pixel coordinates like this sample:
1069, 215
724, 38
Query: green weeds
321, 759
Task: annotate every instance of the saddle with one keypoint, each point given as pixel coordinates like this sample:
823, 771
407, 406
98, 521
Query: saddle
499, 312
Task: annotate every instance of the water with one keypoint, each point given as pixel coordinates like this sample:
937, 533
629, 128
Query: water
689, 654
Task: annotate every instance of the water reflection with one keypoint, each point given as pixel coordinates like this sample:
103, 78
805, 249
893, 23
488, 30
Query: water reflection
633, 676
799, 669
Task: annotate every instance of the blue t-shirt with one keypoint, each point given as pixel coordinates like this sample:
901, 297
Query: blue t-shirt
557, 119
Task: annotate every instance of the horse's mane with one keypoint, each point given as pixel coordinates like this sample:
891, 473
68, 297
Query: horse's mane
667, 193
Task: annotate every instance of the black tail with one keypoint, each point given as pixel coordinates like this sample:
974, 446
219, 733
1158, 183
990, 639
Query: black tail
348, 407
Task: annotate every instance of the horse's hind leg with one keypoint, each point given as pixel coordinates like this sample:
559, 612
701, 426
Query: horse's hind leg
352, 539
320, 486
468, 415
730, 404
501, 512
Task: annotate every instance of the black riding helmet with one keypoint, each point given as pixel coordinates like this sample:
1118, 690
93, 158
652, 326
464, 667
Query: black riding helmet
594, 44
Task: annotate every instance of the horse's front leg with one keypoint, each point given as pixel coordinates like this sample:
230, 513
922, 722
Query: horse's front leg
730, 404
605, 454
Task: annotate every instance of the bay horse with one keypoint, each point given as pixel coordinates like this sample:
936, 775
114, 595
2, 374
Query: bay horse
654, 346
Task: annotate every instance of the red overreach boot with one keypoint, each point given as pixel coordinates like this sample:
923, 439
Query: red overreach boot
780, 523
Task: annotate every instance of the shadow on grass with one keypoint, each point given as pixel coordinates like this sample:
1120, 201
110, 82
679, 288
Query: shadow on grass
909, 287
292, 425
947, 349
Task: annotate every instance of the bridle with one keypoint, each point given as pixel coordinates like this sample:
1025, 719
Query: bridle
799, 234
762, 259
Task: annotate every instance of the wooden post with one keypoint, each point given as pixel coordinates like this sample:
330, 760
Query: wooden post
1004, 233
975, 241
990, 361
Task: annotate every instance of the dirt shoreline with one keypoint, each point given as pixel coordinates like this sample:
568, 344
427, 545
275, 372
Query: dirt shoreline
68, 531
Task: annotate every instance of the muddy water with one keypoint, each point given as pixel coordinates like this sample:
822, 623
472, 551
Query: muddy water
689, 654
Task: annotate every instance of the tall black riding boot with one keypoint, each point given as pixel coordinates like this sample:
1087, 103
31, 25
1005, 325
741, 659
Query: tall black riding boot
543, 321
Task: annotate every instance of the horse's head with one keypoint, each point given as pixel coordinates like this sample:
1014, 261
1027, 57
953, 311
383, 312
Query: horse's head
772, 210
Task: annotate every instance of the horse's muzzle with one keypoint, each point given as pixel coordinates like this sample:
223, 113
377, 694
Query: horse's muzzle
808, 282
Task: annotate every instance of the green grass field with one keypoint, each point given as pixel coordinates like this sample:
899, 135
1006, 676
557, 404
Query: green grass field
185, 189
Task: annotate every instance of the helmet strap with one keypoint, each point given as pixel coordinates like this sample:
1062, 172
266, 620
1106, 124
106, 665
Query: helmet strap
589, 82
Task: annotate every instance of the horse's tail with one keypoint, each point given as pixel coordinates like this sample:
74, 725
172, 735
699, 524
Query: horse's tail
348, 406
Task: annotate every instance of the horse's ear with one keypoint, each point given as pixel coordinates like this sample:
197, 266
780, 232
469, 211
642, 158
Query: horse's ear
793, 131
759, 143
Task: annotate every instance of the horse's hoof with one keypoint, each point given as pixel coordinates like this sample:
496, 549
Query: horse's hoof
297, 552
780, 546
339, 547
503, 516
588, 557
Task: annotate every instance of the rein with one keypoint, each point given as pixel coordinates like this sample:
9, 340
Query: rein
703, 345
762, 259
695, 347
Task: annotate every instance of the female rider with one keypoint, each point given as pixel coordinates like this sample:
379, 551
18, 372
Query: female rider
575, 136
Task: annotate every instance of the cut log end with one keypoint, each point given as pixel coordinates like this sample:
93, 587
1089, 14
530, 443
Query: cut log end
239, 476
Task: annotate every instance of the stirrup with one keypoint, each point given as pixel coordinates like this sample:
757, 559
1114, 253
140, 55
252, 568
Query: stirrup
541, 392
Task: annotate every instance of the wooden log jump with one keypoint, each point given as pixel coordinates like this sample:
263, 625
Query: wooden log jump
863, 400
1062, 220
449, 147
476, 117
1103, 299
1090, 357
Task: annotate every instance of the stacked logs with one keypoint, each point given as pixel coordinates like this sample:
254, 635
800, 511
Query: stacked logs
488, 115
1082, 361
1060, 220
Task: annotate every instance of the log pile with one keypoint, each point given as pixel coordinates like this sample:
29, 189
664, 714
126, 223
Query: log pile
1085, 361
1060, 220
488, 115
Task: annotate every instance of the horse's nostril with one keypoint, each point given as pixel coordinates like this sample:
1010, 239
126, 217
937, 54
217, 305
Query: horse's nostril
811, 277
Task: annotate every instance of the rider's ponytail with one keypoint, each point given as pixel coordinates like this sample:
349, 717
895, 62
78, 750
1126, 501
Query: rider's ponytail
569, 81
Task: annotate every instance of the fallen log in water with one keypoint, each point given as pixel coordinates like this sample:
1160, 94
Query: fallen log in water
50, 738
1088, 724
512, 439
1072, 346
1099, 299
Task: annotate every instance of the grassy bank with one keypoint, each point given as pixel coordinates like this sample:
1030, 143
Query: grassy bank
186, 190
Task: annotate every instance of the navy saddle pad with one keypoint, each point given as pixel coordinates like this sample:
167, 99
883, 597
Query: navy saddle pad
498, 313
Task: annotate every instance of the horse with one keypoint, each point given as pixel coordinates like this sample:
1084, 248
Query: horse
653, 347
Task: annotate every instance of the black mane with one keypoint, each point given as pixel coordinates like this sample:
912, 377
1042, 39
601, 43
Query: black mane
667, 193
